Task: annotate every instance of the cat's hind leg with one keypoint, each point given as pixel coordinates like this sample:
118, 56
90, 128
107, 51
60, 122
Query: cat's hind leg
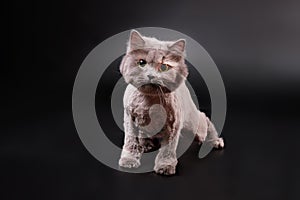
212, 136
206, 132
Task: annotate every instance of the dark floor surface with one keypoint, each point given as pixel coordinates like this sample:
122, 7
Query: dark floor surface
44, 159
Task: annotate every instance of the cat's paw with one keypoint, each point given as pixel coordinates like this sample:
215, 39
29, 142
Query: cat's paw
218, 143
165, 169
129, 162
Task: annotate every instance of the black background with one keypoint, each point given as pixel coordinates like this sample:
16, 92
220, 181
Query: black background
255, 45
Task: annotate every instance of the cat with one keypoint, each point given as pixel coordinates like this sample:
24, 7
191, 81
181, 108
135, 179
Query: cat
155, 72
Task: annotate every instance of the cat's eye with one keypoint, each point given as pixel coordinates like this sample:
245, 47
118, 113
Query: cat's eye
163, 67
142, 63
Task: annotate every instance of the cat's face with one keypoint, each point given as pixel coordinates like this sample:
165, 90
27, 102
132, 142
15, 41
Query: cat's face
149, 63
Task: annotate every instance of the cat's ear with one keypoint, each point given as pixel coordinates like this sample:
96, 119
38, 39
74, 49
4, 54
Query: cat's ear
136, 41
178, 46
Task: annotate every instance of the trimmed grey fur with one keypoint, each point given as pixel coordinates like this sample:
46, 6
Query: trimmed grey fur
149, 86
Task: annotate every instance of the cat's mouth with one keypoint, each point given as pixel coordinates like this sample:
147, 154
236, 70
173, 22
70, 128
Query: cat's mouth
154, 89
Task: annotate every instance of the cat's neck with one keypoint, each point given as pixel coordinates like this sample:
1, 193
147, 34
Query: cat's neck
153, 90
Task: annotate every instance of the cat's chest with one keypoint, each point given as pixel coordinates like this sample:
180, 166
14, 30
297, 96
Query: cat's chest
151, 112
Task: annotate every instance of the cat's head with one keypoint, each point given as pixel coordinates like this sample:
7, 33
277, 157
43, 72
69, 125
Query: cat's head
150, 63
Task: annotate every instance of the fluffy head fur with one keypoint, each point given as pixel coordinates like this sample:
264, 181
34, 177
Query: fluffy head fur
155, 53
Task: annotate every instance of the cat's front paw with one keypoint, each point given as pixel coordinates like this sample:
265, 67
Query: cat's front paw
129, 162
165, 169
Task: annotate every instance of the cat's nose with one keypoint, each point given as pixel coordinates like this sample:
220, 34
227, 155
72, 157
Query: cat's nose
150, 77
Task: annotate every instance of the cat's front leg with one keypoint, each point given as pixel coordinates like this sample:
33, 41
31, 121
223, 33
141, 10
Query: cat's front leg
166, 160
132, 151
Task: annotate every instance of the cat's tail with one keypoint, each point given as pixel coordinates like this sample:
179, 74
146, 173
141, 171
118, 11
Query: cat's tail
206, 132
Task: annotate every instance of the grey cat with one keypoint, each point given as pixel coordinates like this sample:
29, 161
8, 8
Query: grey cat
156, 73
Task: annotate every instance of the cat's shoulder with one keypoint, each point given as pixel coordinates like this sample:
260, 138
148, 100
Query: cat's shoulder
129, 93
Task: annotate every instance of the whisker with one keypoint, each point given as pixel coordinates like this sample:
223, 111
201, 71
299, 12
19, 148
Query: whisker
160, 101
163, 94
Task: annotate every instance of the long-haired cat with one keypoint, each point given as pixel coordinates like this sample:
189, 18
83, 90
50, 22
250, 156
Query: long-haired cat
156, 73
